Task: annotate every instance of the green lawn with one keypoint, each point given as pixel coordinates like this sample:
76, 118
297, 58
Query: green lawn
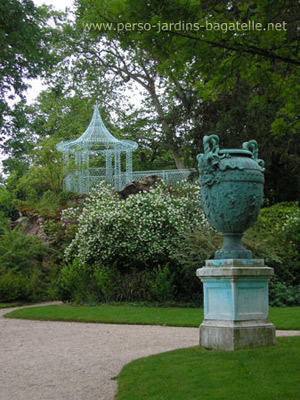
269, 373
9, 305
282, 318
114, 314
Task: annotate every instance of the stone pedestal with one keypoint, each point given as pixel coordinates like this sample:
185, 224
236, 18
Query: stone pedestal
236, 304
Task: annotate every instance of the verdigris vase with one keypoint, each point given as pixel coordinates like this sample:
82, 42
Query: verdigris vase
231, 183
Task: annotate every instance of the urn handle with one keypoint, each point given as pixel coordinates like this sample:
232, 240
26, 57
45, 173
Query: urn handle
252, 146
212, 140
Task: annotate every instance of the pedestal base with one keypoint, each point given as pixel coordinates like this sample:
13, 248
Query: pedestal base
233, 335
235, 304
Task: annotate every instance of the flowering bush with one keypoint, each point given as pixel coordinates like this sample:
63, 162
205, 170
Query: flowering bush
140, 232
291, 229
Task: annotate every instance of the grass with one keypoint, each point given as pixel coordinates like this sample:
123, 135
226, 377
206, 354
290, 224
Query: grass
114, 314
9, 305
283, 318
269, 373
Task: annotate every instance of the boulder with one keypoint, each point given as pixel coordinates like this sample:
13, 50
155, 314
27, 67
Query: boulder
135, 187
30, 226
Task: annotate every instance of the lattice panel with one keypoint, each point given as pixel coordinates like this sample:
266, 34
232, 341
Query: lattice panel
83, 181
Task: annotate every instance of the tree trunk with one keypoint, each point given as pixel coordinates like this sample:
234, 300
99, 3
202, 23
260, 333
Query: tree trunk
171, 144
177, 159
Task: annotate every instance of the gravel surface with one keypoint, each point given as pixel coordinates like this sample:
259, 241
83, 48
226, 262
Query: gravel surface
41, 360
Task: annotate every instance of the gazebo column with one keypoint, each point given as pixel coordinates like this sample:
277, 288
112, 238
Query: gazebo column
80, 172
118, 182
108, 167
85, 159
77, 158
128, 166
85, 172
66, 160
77, 173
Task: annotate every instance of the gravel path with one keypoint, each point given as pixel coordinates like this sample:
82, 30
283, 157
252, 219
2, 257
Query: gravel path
41, 360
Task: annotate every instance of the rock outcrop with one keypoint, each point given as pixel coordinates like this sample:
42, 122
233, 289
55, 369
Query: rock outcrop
135, 187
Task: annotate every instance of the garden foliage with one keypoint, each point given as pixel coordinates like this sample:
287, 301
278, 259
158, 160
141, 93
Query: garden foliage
138, 239
149, 247
143, 231
27, 271
145, 248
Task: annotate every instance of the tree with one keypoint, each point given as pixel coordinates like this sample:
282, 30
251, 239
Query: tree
24, 52
96, 57
238, 83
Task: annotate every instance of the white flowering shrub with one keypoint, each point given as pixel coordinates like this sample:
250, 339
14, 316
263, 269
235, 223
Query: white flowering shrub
140, 232
291, 227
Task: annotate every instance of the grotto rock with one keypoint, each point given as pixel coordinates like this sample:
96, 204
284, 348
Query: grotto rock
135, 187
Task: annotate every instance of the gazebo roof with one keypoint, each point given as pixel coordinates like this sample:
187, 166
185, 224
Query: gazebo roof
97, 137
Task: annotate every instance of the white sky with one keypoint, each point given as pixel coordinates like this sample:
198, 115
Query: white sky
58, 4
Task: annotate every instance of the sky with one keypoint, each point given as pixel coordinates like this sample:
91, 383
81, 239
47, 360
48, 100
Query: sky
58, 4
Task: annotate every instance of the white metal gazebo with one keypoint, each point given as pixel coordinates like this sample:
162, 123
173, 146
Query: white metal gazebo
96, 156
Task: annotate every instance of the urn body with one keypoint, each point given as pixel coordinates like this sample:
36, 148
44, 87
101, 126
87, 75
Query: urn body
231, 184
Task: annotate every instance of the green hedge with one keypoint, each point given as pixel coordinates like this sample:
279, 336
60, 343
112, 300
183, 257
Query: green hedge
27, 271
